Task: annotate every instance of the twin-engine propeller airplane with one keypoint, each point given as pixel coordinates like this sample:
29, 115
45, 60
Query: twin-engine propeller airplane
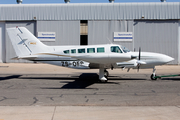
101, 57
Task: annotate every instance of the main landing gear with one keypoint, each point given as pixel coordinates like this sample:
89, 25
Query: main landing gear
103, 75
153, 76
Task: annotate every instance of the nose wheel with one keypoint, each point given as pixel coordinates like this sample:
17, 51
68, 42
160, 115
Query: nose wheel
153, 76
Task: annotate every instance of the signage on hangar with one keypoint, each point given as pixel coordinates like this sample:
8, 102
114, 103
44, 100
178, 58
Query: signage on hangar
123, 36
47, 36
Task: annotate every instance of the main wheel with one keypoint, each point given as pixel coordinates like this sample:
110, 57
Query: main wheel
153, 77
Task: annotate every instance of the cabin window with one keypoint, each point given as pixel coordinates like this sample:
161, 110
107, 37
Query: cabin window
100, 50
91, 50
73, 51
116, 49
66, 52
81, 50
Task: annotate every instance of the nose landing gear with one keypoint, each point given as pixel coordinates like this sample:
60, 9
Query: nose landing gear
153, 76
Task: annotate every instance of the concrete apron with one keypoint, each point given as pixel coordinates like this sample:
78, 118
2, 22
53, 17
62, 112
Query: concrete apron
89, 113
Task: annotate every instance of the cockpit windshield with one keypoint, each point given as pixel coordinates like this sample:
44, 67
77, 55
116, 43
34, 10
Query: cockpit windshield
116, 49
125, 50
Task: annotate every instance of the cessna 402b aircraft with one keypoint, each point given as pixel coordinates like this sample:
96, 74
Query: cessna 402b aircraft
101, 57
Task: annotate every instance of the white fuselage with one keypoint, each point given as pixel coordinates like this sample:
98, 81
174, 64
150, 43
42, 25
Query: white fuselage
71, 56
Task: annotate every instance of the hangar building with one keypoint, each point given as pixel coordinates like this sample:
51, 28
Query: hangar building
155, 27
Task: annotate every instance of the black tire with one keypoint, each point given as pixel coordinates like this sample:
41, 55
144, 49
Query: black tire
153, 77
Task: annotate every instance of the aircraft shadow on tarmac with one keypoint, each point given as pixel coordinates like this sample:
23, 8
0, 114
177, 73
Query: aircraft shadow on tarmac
80, 82
83, 81
9, 77
173, 79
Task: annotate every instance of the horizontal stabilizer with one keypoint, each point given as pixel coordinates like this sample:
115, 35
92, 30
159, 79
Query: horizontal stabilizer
25, 57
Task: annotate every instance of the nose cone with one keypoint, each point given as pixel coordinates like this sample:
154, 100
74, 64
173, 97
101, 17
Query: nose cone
159, 59
167, 59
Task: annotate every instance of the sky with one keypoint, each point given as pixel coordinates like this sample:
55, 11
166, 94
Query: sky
78, 1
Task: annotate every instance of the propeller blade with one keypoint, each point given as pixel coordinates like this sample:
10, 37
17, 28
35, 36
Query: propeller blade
139, 58
139, 53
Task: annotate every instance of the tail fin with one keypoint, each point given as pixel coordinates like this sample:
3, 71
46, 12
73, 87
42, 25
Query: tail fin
24, 42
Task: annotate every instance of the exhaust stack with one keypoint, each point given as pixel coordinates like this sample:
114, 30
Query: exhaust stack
163, 0
67, 1
111, 1
19, 1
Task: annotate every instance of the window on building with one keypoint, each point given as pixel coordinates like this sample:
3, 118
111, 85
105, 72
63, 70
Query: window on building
66, 51
116, 49
73, 51
100, 50
84, 27
83, 32
91, 50
81, 50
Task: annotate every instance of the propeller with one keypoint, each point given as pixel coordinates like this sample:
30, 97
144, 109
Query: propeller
139, 53
139, 62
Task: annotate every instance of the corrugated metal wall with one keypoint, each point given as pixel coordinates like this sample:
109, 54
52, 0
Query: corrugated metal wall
90, 11
10, 53
157, 36
102, 32
67, 32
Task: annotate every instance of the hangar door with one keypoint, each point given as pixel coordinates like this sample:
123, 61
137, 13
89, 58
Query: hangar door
157, 36
102, 32
10, 53
2, 42
66, 32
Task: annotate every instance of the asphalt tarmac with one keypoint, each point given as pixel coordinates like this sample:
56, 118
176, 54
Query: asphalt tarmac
53, 87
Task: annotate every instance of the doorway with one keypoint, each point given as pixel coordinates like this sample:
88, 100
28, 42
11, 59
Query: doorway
2, 42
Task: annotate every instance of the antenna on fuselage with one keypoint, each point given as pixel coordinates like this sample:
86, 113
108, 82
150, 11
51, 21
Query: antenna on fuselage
109, 40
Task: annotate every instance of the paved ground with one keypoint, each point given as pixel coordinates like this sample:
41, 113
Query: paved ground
45, 92
89, 113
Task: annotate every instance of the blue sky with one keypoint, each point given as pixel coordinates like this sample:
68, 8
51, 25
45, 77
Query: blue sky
77, 1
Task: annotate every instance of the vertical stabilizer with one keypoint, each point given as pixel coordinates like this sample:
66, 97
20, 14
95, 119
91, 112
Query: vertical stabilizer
24, 42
